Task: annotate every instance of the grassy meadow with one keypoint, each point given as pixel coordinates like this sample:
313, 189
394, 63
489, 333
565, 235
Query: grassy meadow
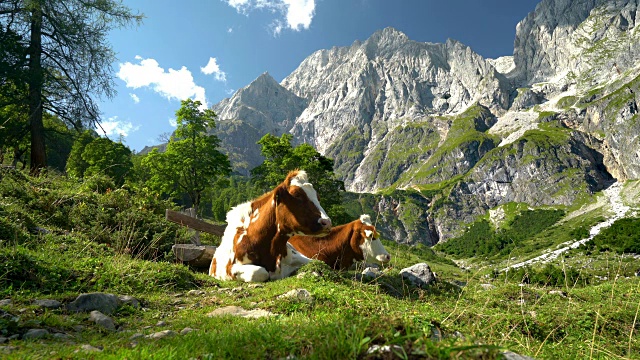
62, 237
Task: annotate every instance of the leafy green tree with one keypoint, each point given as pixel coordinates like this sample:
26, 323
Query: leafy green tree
91, 155
191, 163
281, 157
68, 59
108, 157
76, 165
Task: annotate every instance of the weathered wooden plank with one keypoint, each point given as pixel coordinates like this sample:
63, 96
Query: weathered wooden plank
194, 223
198, 256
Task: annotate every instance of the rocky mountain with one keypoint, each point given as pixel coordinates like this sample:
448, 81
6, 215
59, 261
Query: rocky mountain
443, 135
262, 107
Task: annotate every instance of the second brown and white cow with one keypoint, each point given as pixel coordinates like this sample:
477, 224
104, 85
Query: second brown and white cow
345, 244
254, 244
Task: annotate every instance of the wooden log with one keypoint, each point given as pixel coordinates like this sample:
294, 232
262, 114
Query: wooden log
195, 238
198, 256
194, 223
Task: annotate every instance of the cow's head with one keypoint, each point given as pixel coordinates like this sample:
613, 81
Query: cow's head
371, 246
298, 210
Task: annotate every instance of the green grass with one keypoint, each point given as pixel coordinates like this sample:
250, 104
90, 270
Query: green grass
348, 315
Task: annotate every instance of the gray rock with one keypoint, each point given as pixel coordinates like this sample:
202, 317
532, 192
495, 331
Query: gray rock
49, 304
162, 334
5, 302
32, 334
304, 274
89, 348
302, 295
3, 339
136, 336
130, 300
526, 99
61, 336
196, 293
558, 292
14, 337
487, 286
371, 273
161, 323
104, 303
419, 275
186, 330
238, 311
509, 355
8, 349
102, 320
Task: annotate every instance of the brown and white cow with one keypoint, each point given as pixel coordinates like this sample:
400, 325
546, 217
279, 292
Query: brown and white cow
254, 244
345, 244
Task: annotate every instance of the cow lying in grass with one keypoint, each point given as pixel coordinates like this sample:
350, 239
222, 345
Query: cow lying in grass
345, 244
254, 244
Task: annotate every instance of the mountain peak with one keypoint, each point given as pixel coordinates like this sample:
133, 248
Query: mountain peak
384, 41
389, 34
265, 78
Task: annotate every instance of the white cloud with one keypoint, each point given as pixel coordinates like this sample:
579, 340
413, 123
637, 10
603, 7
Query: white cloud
300, 13
135, 98
114, 127
173, 122
296, 14
212, 67
172, 84
230, 30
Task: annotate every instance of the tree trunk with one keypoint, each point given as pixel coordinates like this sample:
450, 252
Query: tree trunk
36, 127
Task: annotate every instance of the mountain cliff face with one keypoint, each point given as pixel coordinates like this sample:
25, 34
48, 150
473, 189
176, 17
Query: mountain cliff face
448, 135
262, 107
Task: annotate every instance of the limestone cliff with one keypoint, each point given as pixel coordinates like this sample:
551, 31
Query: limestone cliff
445, 135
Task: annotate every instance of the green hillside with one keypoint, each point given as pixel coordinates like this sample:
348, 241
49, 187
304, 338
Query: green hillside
61, 237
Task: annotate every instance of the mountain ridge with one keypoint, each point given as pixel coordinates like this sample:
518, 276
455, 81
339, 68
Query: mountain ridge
473, 133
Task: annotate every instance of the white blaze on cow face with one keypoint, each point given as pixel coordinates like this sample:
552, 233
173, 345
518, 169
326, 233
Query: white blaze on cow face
300, 180
372, 248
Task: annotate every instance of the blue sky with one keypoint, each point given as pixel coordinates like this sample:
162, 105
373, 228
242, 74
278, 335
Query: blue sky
208, 49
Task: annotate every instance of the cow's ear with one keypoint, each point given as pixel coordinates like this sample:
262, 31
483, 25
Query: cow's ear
281, 193
290, 175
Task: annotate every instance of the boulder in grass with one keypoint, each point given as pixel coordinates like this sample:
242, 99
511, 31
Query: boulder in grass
102, 320
105, 303
49, 304
419, 275
32, 334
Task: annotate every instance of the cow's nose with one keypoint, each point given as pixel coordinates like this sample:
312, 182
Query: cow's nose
326, 223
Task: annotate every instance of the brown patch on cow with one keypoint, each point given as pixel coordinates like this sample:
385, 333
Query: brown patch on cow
339, 249
229, 266
212, 269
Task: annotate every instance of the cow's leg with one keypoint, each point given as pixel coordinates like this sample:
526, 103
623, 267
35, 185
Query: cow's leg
289, 264
250, 273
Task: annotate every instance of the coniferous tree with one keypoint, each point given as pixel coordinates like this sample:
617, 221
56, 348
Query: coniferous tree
67, 62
